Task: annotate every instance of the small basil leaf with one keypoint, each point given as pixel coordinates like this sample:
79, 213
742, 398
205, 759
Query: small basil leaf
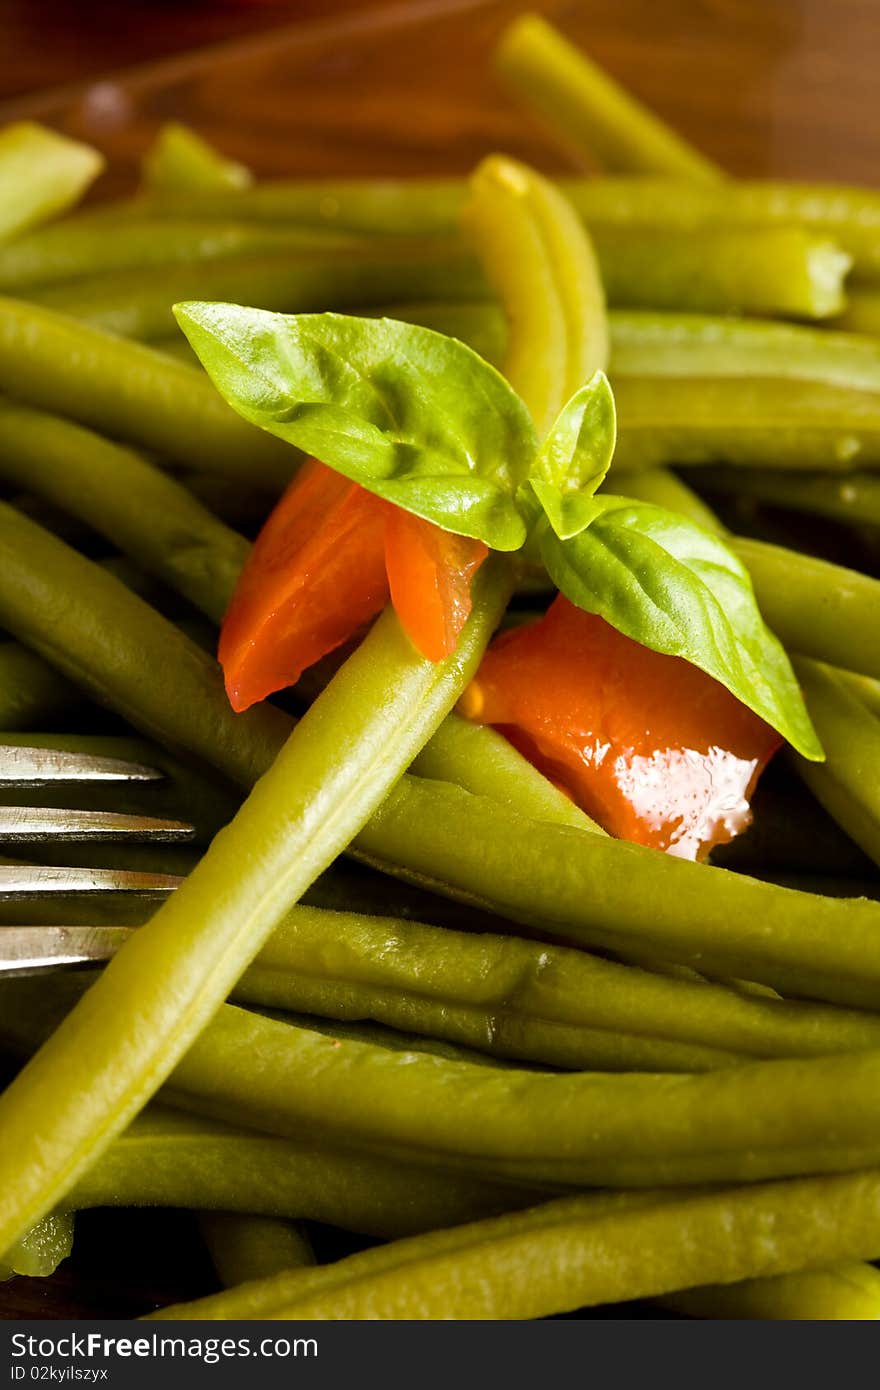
574, 457
676, 588
413, 416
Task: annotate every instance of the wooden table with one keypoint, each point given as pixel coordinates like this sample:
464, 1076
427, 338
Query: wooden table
787, 87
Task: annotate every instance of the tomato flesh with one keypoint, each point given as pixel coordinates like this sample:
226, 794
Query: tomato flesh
430, 573
651, 747
315, 575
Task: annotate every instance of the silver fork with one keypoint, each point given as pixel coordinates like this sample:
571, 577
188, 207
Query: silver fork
25, 950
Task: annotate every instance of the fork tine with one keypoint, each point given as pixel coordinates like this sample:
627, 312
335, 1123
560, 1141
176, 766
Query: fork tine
35, 767
19, 824
31, 950
33, 880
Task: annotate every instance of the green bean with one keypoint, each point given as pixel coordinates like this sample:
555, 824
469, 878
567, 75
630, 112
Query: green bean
166, 1158
651, 344
254, 1247
578, 1252
543, 268
846, 784
752, 422
516, 999
762, 1119
586, 109
233, 500
180, 161
41, 173
408, 207
847, 1292
785, 271
76, 248
589, 890
124, 654
744, 1123
849, 216
339, 763
646, 343
146, 514
40, 1252
132, 393
32, 693
818, 609
482, 761
138, 304
862, 311
853, 497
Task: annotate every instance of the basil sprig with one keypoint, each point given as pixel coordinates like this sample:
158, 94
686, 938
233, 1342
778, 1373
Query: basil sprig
422, 421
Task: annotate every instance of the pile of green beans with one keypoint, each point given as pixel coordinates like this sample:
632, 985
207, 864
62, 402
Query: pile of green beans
573, 1011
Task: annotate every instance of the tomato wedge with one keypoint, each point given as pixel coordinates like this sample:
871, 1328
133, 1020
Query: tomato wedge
315, 575
654, 749
430, 573
323, 565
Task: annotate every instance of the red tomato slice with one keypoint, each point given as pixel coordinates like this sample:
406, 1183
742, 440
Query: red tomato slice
314, 576
429, 574
651, 747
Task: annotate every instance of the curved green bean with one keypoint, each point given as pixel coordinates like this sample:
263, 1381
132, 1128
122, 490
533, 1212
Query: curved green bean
586, 109
137, 508
132, 393
246, 1247
543, 268
577, 1252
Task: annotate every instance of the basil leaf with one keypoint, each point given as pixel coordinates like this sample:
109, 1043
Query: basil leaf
413, 416
676, 588
574, 457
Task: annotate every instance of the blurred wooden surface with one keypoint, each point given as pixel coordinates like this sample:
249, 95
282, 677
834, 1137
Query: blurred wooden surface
787, 87
765, 86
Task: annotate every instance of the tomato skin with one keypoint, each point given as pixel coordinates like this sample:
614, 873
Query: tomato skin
651, 747
429, 574
315, 575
